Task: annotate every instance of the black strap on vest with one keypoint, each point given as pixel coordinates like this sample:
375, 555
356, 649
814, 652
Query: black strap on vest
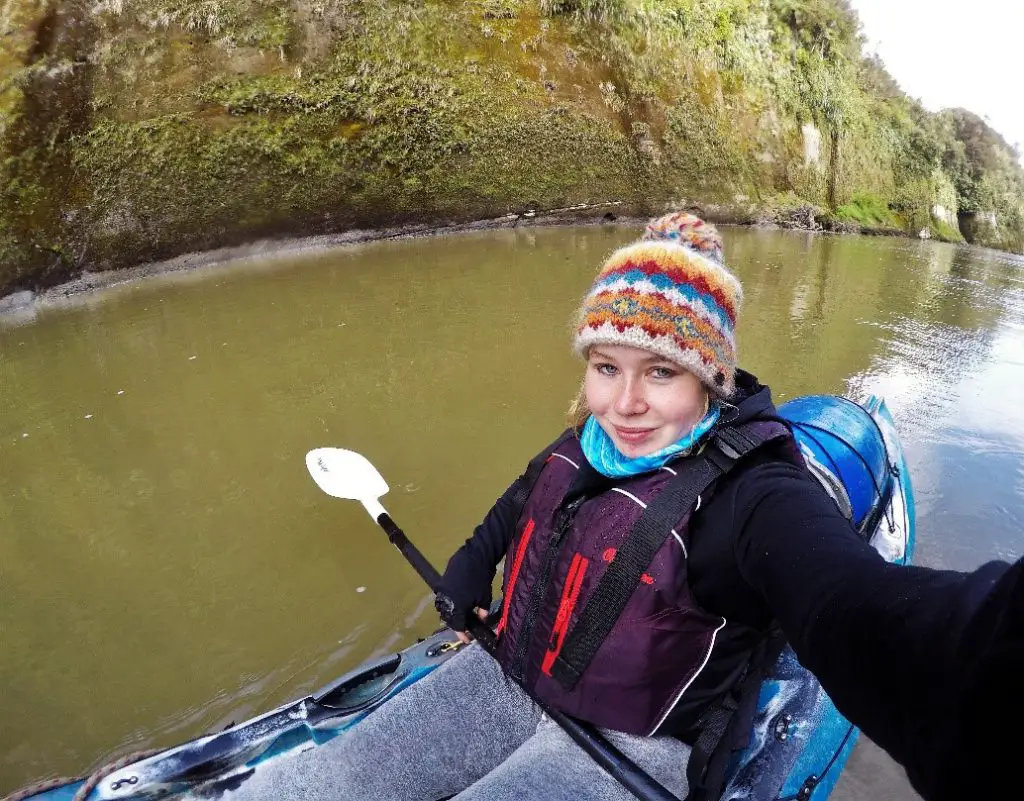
634, 556
726, 726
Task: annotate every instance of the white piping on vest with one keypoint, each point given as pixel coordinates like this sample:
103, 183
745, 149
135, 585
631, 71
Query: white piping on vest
644, 506
570, 461
673, 472
630, 495
686, 686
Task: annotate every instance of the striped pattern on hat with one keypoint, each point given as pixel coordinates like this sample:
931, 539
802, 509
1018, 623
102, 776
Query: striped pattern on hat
669, 299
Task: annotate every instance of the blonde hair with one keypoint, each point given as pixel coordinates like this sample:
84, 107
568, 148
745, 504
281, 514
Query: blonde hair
579, 409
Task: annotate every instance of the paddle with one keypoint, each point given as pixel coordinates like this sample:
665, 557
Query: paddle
351, 476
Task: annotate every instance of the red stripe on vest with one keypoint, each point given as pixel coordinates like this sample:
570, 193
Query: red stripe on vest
570, 594
520, 553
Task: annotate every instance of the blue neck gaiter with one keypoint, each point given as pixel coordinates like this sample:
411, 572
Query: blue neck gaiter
601, 452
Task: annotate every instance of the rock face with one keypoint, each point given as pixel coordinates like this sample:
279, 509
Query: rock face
942, 214
133, 130
981, 227
45, 92
812, 144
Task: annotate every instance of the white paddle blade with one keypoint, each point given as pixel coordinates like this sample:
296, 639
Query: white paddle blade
346, 474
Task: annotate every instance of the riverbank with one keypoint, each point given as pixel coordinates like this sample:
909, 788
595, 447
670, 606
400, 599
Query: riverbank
22, 306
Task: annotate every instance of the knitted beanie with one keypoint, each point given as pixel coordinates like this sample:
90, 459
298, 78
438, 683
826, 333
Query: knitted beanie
669, 294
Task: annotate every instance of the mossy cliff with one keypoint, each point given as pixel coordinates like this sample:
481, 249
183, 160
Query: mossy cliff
140, 129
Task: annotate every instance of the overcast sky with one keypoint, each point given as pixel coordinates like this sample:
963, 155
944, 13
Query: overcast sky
968, 54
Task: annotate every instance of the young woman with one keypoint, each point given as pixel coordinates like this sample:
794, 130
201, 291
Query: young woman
647, 551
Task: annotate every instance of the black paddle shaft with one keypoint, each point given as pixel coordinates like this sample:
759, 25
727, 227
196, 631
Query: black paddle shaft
412, 554
610, 758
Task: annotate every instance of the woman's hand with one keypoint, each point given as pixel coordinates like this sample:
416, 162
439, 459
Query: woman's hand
455, 613
465, 637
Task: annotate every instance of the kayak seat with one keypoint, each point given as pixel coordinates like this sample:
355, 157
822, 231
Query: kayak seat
845, 451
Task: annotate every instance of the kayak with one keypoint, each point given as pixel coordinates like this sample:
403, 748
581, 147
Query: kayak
799, 743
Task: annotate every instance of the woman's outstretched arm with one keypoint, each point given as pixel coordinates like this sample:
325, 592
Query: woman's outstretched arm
929, 663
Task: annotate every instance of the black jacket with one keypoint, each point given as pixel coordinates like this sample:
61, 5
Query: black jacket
929, 663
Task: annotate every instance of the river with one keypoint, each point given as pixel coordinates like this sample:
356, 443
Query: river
167, 566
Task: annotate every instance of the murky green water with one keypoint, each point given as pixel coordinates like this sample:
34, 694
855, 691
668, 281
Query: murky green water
167, 566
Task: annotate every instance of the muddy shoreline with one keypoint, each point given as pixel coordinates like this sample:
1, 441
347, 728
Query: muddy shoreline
23, 305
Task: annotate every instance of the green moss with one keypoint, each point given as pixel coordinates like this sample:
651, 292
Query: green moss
784, 204
944, 231
867, 209
384, 146
600, 10
235, 23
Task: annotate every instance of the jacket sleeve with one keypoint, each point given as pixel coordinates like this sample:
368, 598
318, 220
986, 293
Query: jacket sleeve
467, 579
470, 572
911, 655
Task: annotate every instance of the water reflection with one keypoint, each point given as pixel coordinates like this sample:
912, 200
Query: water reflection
951, 373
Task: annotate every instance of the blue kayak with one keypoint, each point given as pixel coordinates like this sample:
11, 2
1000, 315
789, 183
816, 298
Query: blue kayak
799, 743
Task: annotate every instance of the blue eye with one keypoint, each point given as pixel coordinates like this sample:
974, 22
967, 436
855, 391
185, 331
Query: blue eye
664, 372
606, 369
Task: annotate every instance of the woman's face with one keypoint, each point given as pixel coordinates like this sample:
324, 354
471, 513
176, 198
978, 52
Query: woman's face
642, 401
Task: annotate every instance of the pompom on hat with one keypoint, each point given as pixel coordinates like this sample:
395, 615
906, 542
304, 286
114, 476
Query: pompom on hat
670, 294
687, 230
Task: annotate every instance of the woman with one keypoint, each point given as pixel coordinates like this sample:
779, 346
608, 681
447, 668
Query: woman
647, 552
